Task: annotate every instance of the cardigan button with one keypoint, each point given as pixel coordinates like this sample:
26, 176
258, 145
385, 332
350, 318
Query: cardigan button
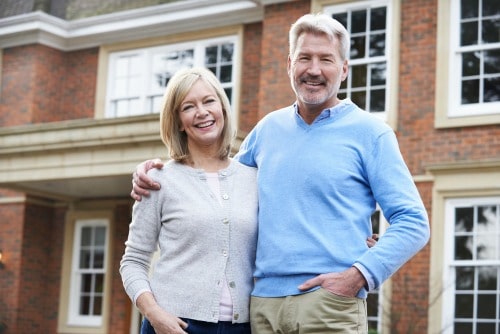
225, 196
225, 221
236, 316
232, 284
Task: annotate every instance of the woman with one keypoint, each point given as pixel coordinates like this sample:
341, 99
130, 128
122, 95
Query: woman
203, 220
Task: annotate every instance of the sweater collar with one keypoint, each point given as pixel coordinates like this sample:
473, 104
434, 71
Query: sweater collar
327, 113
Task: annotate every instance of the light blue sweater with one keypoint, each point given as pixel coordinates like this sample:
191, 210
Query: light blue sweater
318, 186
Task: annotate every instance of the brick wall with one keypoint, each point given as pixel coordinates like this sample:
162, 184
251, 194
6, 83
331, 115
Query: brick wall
41, 84
120, 312
277, 20
250, 77
420, 142
11, 230
39, 281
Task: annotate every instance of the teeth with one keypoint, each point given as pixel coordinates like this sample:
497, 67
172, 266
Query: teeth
204, 125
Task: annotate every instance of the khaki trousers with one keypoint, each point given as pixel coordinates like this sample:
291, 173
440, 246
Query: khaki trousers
318, 312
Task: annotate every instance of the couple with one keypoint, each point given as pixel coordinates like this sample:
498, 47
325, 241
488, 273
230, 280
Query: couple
319, 168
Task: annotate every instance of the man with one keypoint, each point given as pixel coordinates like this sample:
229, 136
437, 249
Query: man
323, 165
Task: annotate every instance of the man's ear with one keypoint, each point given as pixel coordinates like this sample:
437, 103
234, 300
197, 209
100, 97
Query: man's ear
345, 69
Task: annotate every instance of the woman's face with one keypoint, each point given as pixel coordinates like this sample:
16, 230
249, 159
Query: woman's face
201, 116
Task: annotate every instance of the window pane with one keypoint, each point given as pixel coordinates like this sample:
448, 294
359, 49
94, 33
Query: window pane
462, 248
358, 47
100, 236
485, 328
229, 93
377, 100
211, 55
226, 73
470, 91
490, 30
227, 52
486, 307
86, 283
97, 306
492, 61
487, 278
378, 17
470, 63
86, 238
486, 247
464, 278
85, 256
120, 87
378, 74
359, 98
358, 76
377, 45
469, 33
490, 7
463, 328
358, 23
84, 305
99, 283
134, 107
469, 8
464, 306
98, 258
372, 304
464, 219
155, 104
341, 17
492, 90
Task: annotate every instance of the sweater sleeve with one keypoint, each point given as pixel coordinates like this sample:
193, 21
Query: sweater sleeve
396, 193
140, 246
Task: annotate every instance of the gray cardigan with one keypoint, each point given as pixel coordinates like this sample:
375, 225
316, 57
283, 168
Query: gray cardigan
199, 239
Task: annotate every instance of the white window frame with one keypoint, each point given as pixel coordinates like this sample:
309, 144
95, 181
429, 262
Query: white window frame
448, 286
74, 318
144, 81
456, 109
387, 58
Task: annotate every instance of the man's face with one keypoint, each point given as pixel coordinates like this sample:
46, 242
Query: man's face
316, 71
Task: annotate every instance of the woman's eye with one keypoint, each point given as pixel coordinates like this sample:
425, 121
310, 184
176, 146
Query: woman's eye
187, 108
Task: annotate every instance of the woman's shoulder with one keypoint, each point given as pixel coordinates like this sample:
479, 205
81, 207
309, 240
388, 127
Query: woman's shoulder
170, 171
243, 168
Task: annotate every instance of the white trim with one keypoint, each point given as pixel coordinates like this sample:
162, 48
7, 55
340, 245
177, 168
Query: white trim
448, 279
145, 58
456, 108
147, 22
367, 60
74, 319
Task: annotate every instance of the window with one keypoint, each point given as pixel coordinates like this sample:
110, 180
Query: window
369, 67
475, 86
137, 78
88, 273
472, 266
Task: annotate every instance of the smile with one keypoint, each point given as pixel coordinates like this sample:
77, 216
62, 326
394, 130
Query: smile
205, 124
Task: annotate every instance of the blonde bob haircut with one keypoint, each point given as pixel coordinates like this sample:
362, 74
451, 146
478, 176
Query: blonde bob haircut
320, 24
177, 88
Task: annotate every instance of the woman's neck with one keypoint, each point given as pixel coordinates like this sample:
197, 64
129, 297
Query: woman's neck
209, 164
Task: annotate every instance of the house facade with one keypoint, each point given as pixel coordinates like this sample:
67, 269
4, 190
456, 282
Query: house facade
80, 86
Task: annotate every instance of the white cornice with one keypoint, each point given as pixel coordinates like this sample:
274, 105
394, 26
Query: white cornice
172, 18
